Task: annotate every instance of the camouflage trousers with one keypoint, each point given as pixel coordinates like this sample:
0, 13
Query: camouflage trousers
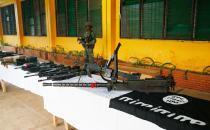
88, 55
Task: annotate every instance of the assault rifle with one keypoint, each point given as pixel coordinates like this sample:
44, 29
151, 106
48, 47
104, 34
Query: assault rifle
6, 54
68, 75
159, 84
63, 74
24, 60
48, 70
33, 68
82, 41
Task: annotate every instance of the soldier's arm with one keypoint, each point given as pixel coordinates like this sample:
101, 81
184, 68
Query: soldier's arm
94, 39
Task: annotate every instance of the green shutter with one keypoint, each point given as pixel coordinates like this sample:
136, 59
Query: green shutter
81, 16
152, 18
3, 17
43, 18
24, 15
13, 21
95, 16
130, 22
179, 19
31, 22
61, 18
28, 18
202, 31
8, 20
37, 18
72, 25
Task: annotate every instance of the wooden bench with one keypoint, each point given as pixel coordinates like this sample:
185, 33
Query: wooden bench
146, 73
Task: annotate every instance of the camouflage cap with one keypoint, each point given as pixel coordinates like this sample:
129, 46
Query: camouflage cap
88, 24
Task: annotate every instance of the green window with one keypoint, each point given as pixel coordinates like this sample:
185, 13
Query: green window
152, 18
66, 18
142, 18
95, 16
179, 19
130, 22
61, 18
72, 26
82, 15
202, 30
165, 19
8, 20
34, 17
71, 16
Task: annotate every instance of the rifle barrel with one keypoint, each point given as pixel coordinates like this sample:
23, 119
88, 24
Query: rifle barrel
30, 75
92, 85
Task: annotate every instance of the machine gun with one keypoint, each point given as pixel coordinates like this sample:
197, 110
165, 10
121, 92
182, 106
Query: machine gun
155, 85
159, 84
92, 68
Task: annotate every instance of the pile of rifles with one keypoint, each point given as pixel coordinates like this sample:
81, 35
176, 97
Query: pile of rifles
52, 71
6, 54
57, 72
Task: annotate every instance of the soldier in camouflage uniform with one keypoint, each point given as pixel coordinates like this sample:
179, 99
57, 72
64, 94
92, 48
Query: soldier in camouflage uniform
90, 40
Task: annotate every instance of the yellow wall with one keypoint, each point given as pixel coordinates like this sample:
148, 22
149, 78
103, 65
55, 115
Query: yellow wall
10, 39
70, 43
35, 42
192, 55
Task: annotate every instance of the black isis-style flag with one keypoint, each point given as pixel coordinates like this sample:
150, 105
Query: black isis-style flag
170, 111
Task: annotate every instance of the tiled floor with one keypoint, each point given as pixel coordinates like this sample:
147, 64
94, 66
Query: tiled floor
22, 110
193, 93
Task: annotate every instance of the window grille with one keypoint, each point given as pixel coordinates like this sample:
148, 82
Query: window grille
152, 18
34, 17
8, 20
71, 16
95, 16
130, 21
179, 19
82, 16
165, 19
202, 22
61, 18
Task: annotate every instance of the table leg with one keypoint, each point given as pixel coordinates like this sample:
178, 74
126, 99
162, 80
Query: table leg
3, 85
67, 126
55, 121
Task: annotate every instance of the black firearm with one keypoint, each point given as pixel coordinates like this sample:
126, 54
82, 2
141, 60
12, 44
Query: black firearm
63, 74
6, 54
92, 68
24, 60
160, 84
35, 67
82, 41
46, 71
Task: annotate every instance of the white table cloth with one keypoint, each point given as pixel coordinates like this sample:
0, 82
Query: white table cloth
83, 108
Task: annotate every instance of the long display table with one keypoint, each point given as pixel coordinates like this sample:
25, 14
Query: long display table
83, 108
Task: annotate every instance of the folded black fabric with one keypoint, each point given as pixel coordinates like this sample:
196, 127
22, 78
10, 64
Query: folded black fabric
168, 110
